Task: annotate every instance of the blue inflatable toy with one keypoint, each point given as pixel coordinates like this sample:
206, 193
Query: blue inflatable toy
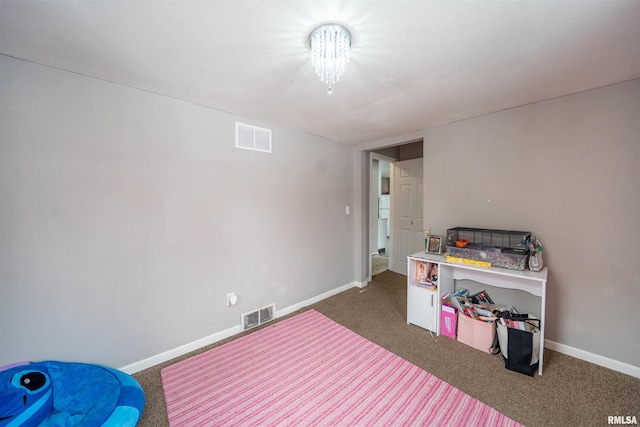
68, 394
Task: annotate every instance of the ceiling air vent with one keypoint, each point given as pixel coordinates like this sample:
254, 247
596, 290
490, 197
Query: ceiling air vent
253, 138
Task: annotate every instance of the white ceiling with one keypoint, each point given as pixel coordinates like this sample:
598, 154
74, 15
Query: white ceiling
414, 63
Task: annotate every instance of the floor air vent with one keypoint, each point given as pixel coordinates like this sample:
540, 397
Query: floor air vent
258, 317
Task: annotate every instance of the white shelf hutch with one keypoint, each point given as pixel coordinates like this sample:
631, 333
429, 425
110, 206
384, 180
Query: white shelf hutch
424, 305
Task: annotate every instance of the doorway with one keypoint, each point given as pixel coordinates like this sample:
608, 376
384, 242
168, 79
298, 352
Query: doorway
388, 210
380, 209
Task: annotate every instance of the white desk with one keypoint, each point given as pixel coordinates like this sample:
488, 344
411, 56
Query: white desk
532, 282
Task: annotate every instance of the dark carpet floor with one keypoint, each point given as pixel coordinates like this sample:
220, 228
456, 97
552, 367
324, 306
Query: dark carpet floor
571, 392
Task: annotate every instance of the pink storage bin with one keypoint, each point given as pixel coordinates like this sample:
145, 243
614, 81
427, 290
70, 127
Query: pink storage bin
476, 333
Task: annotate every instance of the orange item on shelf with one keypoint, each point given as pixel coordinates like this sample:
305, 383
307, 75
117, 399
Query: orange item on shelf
462, 243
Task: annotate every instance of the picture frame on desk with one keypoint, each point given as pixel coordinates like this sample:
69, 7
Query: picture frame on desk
434, 245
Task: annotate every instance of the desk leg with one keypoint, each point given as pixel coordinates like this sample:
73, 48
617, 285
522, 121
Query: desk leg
542, 326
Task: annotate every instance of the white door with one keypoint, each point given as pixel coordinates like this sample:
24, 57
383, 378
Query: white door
406, 222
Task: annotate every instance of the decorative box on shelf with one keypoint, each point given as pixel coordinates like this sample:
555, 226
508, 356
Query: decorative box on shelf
496, 257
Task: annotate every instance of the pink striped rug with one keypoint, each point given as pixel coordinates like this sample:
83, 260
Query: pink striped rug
309, 370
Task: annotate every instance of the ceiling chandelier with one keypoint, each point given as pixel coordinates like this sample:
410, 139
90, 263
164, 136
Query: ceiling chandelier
330, 48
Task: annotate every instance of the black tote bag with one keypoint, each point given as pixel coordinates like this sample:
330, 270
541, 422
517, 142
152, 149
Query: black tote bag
520, 349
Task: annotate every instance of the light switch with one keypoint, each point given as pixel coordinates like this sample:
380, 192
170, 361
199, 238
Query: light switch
347, 210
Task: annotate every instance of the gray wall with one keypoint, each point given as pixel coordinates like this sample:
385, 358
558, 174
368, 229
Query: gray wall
566, 169
126, 217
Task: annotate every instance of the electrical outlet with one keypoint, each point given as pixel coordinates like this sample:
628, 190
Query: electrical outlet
232, 299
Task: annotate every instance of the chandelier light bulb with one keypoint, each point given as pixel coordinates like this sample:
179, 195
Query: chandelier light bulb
330, 52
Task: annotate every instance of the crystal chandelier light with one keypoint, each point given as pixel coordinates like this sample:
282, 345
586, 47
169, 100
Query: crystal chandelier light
330, 49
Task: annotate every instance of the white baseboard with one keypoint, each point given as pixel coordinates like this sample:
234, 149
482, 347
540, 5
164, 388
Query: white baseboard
141, 365
179, 351
361, 284
292, 308
606, 362
219, 336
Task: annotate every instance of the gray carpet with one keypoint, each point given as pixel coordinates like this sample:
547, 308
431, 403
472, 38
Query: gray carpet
571, 392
